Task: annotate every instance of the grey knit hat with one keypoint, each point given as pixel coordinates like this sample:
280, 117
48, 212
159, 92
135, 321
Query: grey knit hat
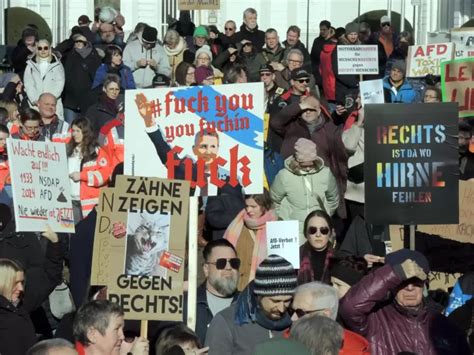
275, 276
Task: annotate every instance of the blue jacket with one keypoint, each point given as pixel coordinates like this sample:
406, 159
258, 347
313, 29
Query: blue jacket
405, 93
126, 77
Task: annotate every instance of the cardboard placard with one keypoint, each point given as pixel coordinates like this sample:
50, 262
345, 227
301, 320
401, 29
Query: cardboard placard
457, 84
463, 39
199, 5
411, 169
426, 59
357, 59
209, 135
464, 230
141, 269
40, 184
371, 92
283, 240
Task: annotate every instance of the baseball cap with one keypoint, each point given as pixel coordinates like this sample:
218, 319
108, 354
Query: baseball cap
299, 74
83, 19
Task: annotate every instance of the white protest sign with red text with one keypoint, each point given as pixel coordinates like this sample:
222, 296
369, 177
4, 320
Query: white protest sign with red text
359, 59
41, 188
426, 59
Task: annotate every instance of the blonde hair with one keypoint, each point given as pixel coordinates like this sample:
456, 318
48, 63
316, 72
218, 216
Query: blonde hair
12, 109
8, 270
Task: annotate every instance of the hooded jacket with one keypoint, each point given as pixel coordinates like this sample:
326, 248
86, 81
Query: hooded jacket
391, 328
134, 51
297, 193
405, 93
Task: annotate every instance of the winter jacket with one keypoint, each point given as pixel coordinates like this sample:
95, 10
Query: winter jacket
405, 93
53, 81
175, 56
272, 164
4, 172
124, 72
299, 45
306, 272
252, 63
326, 71
283, 80
111, 139
80, 73
99, 114
42, 274
266, 56
19, 57
353, 139
391, 328
328, 139
296, 195
134, 51
347, 84
224, 336
57, 131
315, 55
256, 36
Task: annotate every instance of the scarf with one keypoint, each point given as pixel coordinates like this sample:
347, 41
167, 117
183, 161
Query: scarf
256, 225
84, 51
248, 311
181, 46
109, 104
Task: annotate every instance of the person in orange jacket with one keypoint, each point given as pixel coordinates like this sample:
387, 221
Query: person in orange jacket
4, 167
111, 139
316, 298
89, 168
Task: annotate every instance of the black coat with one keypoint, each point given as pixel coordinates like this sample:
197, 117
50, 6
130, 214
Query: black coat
99, 114
256, 36
19, 57
17, 332
80, 73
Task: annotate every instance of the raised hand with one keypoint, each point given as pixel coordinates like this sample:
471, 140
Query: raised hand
144, 108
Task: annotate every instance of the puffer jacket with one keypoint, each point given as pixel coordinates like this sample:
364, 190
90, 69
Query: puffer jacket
297, 194
389, 327
405, 93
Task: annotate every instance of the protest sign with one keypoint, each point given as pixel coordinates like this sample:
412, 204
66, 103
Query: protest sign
371, 92
463, 39
210, 135
139, 246
457, 84
411, 168
426, 59
464, 230
199, 5
283, 240
40, 184
359, 59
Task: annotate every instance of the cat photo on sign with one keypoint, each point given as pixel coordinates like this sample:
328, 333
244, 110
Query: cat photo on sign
147, 239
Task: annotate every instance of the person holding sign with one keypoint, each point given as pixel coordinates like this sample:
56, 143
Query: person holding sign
89, 168
396, 88
318, 249
305, 185
17, 332
248, 234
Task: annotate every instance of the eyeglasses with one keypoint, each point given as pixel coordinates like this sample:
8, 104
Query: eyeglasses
46, 48
221, 263
309, 110
228, 29
301, 313
385, 24
31, 128
301, 81
294, 61
313, 230
79, 41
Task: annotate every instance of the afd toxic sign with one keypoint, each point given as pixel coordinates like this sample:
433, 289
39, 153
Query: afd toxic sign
411, 164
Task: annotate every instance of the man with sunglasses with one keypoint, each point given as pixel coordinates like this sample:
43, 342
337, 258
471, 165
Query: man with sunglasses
387, 37
401, 322
260, 312
219, 291
317, 299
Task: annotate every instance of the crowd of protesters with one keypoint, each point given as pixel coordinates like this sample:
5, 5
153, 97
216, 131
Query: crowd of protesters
350, 295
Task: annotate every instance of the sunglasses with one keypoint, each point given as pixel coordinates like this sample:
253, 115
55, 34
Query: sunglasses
247, 44
83, 42
301, 313
314, 230
228, 29
308, 110
301, 81
221, 263
386, 24
265, 74
43, 48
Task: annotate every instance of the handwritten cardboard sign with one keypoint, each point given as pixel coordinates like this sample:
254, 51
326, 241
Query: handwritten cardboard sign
283, 240
371, 92
457, 84
463, 39
142, 268
359, 59
426, 59
40, 184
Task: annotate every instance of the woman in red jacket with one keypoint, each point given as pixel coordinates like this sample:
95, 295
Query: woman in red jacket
89, 168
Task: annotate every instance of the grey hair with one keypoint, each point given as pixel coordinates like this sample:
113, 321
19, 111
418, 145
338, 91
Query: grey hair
171, 37
323, 336
44, 94
249, 11
294, 51
43, 347
322, 296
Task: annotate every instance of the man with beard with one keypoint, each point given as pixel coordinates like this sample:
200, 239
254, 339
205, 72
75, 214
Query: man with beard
219, 291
